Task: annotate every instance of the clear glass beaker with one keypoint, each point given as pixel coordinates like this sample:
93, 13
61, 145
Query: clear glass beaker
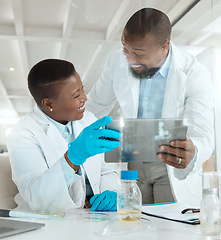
210, 207
211, 180
210, 212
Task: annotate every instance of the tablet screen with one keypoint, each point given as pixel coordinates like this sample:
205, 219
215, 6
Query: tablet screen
141, 138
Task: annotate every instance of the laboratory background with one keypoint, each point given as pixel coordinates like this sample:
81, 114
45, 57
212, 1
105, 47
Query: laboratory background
86, 32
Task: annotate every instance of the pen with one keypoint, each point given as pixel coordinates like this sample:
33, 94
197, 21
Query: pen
16, 214
193, 210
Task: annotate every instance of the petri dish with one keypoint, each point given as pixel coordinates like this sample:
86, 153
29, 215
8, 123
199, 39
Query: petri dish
52, 214
93, 217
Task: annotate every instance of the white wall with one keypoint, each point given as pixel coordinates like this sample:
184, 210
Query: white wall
211, 58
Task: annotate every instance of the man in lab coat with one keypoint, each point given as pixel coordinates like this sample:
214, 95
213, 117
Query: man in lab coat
55, 150
151, 78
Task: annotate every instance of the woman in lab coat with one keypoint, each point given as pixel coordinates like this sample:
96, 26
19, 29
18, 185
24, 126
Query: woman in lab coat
50, 173
187, 94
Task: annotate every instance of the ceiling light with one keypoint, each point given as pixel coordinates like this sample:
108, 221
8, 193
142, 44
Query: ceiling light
11, 69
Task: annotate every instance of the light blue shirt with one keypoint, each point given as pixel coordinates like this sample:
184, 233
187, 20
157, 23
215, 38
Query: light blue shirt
152, 92
70, 177
151, 95
68, 134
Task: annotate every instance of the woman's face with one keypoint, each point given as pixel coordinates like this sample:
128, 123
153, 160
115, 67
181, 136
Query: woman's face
69, 104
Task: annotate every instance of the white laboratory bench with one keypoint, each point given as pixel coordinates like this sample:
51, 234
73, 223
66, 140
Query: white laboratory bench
70, 227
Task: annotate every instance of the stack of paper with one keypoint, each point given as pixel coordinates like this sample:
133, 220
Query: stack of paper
171, 211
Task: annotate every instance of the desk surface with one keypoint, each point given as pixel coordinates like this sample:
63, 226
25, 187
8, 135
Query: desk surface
71, 227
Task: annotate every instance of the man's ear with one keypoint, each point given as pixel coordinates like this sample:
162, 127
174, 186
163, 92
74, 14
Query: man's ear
47, 105
166, 45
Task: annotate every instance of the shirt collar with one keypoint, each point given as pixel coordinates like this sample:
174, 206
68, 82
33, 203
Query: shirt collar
165, 67
61, 127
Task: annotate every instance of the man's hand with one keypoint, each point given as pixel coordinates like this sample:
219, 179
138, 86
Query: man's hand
179, 154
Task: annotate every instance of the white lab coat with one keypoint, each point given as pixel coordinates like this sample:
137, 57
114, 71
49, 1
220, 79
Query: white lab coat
35, 147
188, 94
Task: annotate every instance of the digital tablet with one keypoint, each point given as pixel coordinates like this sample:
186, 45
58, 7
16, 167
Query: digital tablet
9, 227
141, 138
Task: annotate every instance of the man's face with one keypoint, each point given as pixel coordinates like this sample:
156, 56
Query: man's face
144, 55
69, 104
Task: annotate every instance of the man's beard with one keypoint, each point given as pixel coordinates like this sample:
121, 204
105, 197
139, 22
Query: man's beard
146, 73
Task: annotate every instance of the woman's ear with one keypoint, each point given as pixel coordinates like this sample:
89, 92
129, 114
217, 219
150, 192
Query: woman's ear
47, 105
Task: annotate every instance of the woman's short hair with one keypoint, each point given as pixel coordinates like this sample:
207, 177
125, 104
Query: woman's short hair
149, 20
45, 76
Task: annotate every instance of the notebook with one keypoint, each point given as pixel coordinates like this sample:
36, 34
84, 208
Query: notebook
141, 138
9, 227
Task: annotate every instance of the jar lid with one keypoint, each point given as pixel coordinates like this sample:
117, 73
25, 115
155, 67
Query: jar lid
129, 175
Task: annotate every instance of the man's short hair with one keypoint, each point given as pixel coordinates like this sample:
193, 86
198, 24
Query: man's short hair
44, 77
149, 20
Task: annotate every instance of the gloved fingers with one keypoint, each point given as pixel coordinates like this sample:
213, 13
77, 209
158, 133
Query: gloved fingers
103, 205
101, 122
106, 144
105, 202
97, 202
112, 203
93, 198
106, 133
114, 208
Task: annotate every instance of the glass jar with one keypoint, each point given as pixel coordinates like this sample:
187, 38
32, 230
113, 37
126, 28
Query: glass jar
210, 212
129, 199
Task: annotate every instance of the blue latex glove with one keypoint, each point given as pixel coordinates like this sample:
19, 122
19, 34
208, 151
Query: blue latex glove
91, 141
105, 201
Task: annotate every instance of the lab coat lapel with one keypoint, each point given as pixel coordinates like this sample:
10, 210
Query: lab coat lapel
78, 126
128, 97
56, 138
53, 143
135, 87
58, 145
175, 88
93, 171
126, 89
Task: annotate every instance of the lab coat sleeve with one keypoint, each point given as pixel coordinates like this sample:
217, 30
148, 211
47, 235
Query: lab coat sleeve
43, 188
199, 110
101, 99
69, 174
